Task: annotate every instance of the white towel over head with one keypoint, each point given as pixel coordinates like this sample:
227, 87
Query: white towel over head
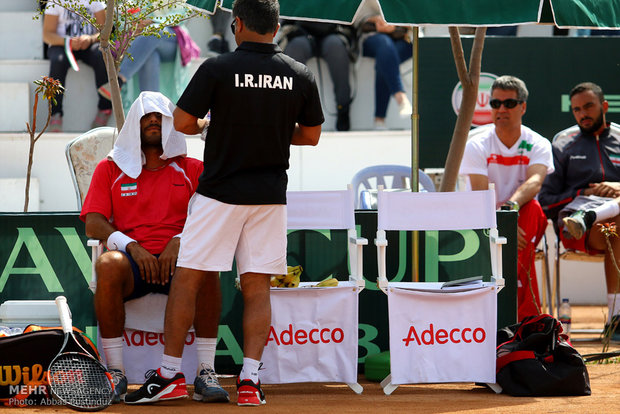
127, 152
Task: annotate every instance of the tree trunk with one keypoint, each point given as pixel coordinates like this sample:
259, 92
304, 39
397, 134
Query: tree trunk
111, 69
469, 80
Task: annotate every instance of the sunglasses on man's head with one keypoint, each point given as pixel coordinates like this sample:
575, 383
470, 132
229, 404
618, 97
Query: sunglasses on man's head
508, 103
232, 26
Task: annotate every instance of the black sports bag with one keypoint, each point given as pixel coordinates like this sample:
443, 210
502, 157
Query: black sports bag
534, 359
24, 360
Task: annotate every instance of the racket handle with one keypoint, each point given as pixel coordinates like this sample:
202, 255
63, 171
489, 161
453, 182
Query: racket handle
65, 316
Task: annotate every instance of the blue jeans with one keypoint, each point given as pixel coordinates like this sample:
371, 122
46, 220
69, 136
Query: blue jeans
388, 54
148, 52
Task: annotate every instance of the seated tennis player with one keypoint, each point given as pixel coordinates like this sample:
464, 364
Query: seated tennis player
137, 204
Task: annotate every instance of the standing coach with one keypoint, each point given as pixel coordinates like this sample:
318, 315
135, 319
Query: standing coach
261, 102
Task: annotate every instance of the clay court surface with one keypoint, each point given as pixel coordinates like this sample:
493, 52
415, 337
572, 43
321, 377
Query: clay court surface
421, 398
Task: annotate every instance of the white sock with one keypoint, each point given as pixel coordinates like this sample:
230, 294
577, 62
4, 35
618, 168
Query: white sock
614, 309
113, 351
205, 348
249, 370
607, 210
170, 366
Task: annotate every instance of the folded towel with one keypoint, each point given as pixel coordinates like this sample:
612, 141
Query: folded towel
127, 152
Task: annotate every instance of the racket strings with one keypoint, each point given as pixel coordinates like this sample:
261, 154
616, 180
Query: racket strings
80, 381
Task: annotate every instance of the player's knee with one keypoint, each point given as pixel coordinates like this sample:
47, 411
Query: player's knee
112, 267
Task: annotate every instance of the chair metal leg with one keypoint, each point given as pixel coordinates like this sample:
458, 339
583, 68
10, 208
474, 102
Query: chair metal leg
387, 385
547, 277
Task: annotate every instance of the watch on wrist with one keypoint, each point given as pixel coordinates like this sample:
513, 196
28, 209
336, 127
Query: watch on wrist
514, 206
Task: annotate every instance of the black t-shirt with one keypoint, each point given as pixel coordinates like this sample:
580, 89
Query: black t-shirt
256, 94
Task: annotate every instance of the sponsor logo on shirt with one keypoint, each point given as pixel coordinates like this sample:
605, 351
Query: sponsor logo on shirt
129, 189
578, 157
248, 80
501, 160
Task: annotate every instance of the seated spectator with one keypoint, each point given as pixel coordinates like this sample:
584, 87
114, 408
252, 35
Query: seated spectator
585, 186
335, 44
517, 160
390, 46
137, 203
60, 26
146, 54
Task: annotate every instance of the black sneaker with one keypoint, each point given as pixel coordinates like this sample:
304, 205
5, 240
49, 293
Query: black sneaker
249, 393
156, 388
343, 122
218, 45
578, 223
120, 385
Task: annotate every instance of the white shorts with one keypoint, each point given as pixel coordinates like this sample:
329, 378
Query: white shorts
215, 233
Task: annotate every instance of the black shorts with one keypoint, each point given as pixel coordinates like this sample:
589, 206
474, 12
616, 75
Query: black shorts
140, 286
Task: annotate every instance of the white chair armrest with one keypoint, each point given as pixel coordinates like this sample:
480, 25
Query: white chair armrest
381, 243
359, 241
357, 259
96, 251
499, 239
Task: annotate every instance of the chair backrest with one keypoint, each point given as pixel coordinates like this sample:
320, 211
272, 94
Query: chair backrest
463, 210
320, 210
328, 210
398, 176
436, 211
84, 153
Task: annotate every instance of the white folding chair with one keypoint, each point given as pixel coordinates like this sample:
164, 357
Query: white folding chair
440, 334
366, 181
314, 331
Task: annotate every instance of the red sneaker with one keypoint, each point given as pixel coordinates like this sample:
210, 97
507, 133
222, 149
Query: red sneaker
249, 393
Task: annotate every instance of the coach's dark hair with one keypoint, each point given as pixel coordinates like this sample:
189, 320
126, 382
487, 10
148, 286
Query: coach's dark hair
511, 83
588, 86
260, 16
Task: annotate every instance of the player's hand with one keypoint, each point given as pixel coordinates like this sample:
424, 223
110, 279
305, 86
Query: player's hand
147, 263
168, 259
605, 189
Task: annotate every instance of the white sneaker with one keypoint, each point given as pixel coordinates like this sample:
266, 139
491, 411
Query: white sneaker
404, 108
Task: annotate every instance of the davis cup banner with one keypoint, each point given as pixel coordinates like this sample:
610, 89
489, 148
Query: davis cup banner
313, 336
442, 337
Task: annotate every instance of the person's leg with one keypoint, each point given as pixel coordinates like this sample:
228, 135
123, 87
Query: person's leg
533, 222
206, 322
334, 51
256, 313
299, 48
115, 281
372, 48
59, 66
261, 252
164, 51
140, 50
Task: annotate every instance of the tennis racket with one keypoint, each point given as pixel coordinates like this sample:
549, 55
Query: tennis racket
76, 378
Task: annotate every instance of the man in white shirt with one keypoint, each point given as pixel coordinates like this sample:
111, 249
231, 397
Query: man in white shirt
517, 160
